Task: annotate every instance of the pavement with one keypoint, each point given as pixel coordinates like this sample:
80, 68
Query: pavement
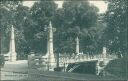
16, 66
14, 70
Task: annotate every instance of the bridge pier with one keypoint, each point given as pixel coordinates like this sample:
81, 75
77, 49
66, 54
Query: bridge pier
86, 67
101, 64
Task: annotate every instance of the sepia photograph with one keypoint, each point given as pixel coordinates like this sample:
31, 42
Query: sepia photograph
63, 40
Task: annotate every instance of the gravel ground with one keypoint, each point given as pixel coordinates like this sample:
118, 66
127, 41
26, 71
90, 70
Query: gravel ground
63, 76
38, 75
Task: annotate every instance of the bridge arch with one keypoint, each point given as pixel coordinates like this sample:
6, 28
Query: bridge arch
88, 67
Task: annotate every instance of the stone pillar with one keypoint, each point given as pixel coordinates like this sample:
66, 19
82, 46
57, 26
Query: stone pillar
51, 58
77, 45
12, 51
104, 53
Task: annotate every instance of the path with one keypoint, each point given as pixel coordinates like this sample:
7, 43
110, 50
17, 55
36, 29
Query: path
14, 70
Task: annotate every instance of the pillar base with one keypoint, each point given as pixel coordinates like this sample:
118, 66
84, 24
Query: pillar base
13, 57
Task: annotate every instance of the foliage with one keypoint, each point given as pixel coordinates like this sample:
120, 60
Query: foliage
12, 13
76, 18
41, 13
115, 35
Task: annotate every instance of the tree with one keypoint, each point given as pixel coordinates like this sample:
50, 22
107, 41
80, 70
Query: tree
29, 25
41, 13
116, 31
13, 13
6, 19
22, 16
76, 18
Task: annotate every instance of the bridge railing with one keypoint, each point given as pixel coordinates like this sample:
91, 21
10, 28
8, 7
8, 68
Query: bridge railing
80, 58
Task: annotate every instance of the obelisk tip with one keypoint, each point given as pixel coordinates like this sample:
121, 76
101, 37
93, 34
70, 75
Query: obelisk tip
50, 24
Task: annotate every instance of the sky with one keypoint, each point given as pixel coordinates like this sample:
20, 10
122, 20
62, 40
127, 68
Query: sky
100, 4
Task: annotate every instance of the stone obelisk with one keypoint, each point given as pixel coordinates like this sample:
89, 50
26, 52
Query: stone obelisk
12, 51
104, 53
77, 45
51, 58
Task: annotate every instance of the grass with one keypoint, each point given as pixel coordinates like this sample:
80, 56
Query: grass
118, 67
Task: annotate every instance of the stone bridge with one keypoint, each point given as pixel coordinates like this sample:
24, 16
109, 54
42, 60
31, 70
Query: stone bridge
81, 63
96, 62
